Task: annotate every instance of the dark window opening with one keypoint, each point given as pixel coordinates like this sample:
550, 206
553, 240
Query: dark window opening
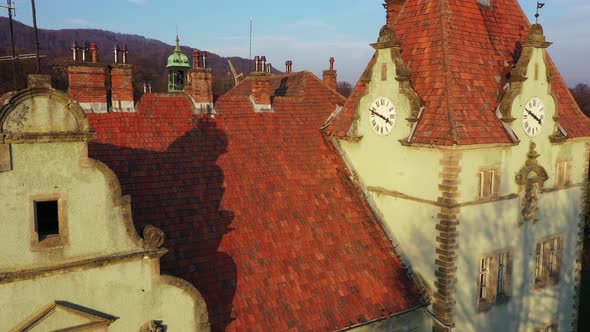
46, 219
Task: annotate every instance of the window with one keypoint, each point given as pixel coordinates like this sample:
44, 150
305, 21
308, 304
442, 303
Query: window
551, 327
494, 279
563, 174
484, 276
548, 262
488, 183
48, 221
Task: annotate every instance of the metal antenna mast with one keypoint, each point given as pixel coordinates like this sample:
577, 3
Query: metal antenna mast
539, 6
10, 8
36, 36
250, 53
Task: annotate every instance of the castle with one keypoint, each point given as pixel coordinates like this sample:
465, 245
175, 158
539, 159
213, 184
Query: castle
446, 193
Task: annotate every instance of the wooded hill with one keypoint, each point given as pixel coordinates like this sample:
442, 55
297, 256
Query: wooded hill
147, 55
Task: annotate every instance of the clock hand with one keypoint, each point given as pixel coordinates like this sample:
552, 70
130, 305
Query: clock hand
534, 116
381, 116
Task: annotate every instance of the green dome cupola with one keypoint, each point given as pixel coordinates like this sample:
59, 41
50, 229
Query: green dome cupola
177, 66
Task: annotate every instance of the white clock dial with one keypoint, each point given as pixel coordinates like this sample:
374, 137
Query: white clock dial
382, 115
533, 116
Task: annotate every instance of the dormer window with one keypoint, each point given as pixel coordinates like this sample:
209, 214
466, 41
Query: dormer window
48, 221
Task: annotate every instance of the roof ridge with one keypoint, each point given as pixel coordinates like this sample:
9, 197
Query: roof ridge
444, 15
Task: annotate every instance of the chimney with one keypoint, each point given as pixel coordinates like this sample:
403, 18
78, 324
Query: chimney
393, 8
330, 76
87, 85
260, 96
122, 88
200, 86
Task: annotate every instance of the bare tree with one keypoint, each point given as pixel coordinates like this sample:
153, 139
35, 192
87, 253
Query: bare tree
582, 95
344, 88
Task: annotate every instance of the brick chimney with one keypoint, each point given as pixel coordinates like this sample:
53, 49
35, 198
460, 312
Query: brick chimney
393, 8
87, 80
122, 88
200, 83
260, 96
330, 76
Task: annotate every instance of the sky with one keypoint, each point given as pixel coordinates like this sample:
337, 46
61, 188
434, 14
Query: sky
308, 32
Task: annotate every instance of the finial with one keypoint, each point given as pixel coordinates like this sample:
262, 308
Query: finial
539, 6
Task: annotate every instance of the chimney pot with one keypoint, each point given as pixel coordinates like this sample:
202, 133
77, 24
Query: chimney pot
262, 63
125, 52
204, 57
196, 59
94, 52
116, 53
75, 50
84, 51
330, 76
257, 63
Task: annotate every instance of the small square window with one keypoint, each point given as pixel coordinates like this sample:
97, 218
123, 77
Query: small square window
46, 219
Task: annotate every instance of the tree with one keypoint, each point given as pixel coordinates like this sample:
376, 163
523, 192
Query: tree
582, 95
344, 88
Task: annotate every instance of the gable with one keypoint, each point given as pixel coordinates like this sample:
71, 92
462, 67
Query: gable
66, 316
42, 114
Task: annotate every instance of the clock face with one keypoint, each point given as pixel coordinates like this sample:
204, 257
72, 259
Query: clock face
533, 116
382, 116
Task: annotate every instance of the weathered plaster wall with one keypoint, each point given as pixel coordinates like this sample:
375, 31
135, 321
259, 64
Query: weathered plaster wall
99, 262
387, 168
96, 226
127, 291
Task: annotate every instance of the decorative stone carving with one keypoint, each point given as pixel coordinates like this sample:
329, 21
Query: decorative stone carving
532, 176
152, 326
518, 74
387, 38
153, 237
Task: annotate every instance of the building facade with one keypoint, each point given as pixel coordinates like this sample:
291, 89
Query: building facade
472, 150
72, 259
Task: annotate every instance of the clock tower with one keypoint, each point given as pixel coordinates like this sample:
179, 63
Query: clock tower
468, 145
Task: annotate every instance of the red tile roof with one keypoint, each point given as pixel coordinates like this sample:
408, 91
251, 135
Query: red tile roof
258, 209
456, 49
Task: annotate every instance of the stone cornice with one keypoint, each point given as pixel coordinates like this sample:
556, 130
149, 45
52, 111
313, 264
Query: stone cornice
25, 274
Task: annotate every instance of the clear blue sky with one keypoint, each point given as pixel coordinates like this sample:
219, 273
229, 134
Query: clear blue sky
307, 32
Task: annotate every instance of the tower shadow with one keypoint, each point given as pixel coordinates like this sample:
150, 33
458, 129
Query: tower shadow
180, 190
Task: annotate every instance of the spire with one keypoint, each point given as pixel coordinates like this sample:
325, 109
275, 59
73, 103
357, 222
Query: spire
177, 49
